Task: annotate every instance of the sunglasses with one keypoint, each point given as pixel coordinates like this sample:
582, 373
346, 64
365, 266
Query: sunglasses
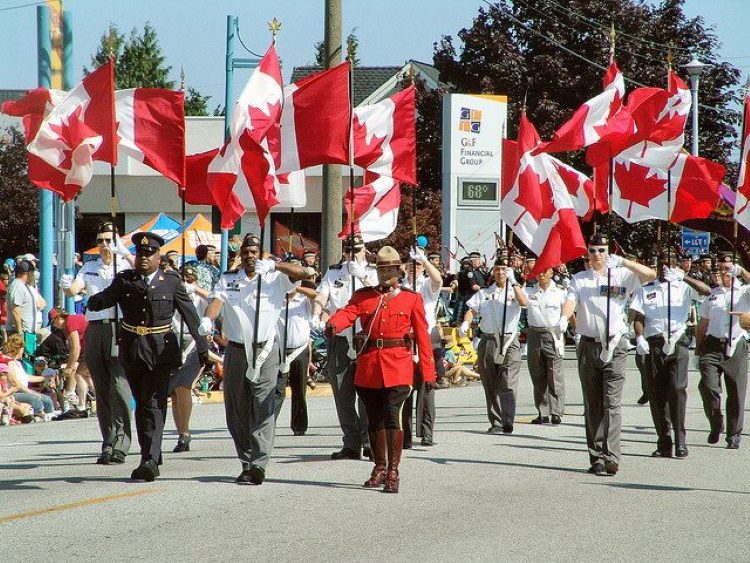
145, 252
100, 240
595, 250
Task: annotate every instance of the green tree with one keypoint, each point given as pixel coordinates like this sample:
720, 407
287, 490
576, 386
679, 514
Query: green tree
506, 50
19, 223
320, 50
195, 104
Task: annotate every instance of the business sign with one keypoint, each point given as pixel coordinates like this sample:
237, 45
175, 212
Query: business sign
695, 242
473, 129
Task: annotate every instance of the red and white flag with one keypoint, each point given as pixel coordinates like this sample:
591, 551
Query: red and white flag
196, 190
78, 130
385, 138
256, 113
537, 206
376, 206
741, 209
581, 189
151, 126
593, 120
315, 121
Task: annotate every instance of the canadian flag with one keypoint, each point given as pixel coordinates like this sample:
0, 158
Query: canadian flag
741, 211
151, 126
647, 178
78, 130
196, 190
256, 112
537, 205
586, 199
594, 119
376, 206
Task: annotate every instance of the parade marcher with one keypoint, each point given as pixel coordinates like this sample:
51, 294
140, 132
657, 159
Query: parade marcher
429, 288
250, 380
310, 260
334, 292
113, 395
296, 357
499, 352
546, 348
641, 364
660, 311
149, 350
601, 363
722, 350
392, 318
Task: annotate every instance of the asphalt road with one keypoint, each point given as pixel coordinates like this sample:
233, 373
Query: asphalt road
472, 496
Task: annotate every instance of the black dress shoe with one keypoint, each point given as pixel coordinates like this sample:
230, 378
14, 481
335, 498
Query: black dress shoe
367, 452
662, 452
299, 432
733, 443
117, 456
643, 400
183, 444
257, 475
346, 453
540, 420
427, 441
146, 471
680, 451
611, 468
507, 428
596, 468
243, 478
713, 436
104, 459
556, 419
494, 430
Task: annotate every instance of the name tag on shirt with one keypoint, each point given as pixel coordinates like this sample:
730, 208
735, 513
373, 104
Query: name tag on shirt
616, 291
233, 285
651, 295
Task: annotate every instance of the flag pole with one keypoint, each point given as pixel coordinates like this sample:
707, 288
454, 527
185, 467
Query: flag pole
350, 57
113, 206
182, 217
610, 189
668, 227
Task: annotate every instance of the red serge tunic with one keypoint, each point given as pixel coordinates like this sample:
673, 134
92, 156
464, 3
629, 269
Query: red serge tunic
401, 313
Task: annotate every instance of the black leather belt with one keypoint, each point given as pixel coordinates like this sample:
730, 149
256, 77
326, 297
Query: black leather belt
102, 322
540, 329
590, 339
234, 344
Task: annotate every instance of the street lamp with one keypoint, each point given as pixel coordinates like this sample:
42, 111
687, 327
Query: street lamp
694, 69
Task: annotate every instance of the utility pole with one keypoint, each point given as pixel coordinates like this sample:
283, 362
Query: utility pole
333, 193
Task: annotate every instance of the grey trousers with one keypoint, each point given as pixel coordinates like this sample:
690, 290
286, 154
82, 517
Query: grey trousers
113, 395
250, 406
545, 369
500, 381
602, 385
667, 389
713, 364
340, 370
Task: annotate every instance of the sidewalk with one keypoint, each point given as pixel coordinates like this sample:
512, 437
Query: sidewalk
321, 390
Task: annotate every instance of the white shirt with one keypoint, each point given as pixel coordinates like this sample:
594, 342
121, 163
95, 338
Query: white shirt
715, 308
488, 303
589, 291
651, 301
429, 297
238, 293
299, 322
200, 305
96, 277
336, 285
24, 296
551, 300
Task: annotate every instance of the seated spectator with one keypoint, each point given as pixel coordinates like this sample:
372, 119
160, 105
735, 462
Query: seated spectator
50, 383
19, 380
457, 373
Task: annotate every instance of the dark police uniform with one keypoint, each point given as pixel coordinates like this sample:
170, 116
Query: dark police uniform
149, 349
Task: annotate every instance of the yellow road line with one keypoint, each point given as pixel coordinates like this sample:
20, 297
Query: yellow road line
71, 505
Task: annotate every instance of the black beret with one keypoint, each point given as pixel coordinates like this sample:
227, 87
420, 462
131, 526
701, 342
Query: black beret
250, 240
146, 240
357, 240
599, 239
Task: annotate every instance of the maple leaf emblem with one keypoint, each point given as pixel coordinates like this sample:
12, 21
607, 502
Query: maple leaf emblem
262, 120
534, 196
636, 185
71, 132
365, 154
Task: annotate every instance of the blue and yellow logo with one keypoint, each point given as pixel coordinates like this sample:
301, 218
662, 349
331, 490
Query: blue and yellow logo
470, 120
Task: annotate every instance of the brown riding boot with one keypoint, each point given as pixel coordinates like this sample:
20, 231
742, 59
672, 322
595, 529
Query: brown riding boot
395, 447
378, 445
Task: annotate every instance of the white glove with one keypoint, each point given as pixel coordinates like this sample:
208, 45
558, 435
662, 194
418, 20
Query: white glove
614, 261
735, 270
510, 276
418, 255
206, 327
641, 345
577, 338
463, 330
264, 266
119, 248
673, 274
190, 288
317, 324
356, 269
66, 281
562, 325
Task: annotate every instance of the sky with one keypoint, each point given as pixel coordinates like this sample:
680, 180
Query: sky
192, 32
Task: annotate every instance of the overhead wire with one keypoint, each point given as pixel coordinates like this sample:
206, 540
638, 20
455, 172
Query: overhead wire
7, 8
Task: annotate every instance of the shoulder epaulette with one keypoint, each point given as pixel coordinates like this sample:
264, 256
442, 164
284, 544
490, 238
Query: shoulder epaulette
172, 272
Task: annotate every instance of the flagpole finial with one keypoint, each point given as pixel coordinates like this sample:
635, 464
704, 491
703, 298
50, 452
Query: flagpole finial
274, 26
351, 47
523, 105
182, 78
412, 74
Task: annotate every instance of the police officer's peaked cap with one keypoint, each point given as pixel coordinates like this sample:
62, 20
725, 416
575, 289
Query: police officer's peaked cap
388, 256
474, 254
250, 240
309, 253
599, 239
433, 254
726, 258
146, 240
357, 240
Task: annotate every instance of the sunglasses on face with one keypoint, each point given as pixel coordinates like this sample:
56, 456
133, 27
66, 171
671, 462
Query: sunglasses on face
101, 240
595, 250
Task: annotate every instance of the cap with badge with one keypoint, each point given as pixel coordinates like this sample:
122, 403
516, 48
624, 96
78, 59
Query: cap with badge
599, 239
357, 241
147, 242
250, 239
309, 254
474, 254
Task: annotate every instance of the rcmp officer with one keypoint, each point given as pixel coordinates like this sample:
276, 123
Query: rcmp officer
392, 318
250, 381
546, 348
112, 390
601, 363
334, 291
722, 350
149, 349
499, 352
660, 311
